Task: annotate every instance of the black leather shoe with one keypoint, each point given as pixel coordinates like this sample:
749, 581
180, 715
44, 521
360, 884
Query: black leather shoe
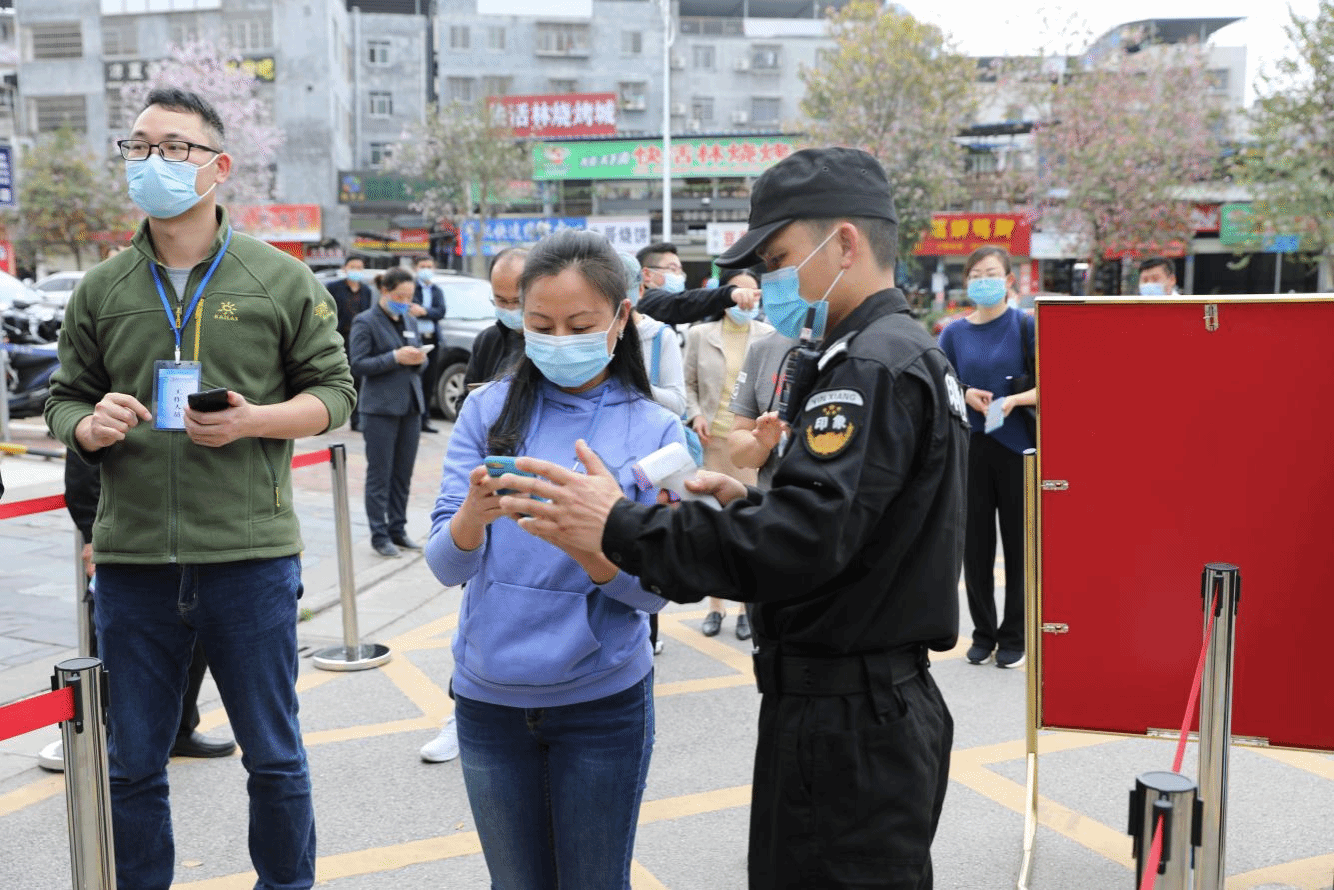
197, 744
427, 428
713, 622
386, 549
742, 627
406, 543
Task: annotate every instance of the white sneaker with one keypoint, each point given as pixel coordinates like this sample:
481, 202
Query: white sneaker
657, 647
443, 747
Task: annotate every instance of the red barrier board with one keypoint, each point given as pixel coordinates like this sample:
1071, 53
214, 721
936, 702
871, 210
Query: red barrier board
1183, 446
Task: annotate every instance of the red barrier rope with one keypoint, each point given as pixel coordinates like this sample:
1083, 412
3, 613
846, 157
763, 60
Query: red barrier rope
1156, 849
36, 712
57, 501
36, 505
311, 458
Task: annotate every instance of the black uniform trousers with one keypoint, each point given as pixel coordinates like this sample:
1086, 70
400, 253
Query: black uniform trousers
995, 485
848, 788
391, 452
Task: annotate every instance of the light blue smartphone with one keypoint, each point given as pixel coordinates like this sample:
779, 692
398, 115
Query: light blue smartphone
499, 464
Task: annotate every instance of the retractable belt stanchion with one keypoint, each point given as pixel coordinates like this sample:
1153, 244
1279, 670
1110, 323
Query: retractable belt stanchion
353, 655
1222, 588
1165, 802
87, 783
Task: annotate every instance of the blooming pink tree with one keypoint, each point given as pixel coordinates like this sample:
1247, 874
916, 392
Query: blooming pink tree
216, 74
1119, 146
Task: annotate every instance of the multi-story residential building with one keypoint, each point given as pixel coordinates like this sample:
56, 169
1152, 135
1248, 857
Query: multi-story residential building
335, 96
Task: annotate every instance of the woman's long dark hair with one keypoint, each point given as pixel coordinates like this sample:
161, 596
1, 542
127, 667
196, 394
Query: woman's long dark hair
593, 257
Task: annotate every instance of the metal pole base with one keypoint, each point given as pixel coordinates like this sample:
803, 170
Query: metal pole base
351, 658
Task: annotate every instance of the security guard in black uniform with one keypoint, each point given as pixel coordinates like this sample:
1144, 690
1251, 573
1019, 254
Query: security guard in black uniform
852, 558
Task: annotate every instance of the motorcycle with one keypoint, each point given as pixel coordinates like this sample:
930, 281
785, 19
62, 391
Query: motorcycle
30, 356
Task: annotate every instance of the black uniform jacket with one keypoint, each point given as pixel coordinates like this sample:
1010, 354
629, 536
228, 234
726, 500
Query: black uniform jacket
857, 547
697, 304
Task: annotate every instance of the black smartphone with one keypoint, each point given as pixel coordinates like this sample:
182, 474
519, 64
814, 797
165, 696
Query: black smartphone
209, 400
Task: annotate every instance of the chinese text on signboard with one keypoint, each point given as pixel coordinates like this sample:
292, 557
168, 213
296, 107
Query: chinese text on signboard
575, 114
635, 159
959, 234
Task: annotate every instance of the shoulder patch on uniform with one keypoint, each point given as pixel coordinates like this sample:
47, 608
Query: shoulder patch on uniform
831, 421
323, 310
954, 393
833, 352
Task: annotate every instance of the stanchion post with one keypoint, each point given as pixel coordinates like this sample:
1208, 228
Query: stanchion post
83, 607
1171, 798
1032, 627
352, 655
87, 782
1221, 586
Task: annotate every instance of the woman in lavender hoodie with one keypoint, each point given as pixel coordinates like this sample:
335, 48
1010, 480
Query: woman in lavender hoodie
553, 672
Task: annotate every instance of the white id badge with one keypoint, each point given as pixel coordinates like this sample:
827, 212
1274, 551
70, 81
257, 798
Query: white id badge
172, 384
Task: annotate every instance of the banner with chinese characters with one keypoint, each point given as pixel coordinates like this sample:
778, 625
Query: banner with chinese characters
642, 159
8, 198
277, 222
541, 117
394, 241
628, 234
515, 231
719, 237
959, 234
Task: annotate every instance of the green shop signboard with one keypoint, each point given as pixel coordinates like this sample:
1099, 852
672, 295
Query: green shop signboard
640, 159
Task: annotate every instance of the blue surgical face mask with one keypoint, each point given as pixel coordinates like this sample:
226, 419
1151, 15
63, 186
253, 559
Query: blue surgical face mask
510, 318
742, 316
164, 189
424, 276
784, 306
568, 360
358, 275
673, 282
1151, 289
986, 291
398, 308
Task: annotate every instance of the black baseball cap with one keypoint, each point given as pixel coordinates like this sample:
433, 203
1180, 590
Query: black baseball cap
814, 183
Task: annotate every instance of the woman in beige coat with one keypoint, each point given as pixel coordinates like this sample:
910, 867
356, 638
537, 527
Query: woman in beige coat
715, 351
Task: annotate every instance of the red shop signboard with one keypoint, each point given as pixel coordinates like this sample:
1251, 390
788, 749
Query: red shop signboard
959, 234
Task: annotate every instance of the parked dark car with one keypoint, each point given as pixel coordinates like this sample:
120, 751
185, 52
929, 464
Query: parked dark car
468, 312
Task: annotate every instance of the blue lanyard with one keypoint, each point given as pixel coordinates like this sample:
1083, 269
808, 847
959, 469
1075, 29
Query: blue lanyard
177, 321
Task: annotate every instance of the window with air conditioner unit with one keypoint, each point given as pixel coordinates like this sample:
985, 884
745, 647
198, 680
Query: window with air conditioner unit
678, 108
634, 95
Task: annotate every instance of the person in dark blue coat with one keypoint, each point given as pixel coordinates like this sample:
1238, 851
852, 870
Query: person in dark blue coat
387, 353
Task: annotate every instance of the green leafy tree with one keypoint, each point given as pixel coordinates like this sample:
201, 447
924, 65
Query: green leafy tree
1290, 164
899, 89
467, 157
1122, 138
65, 198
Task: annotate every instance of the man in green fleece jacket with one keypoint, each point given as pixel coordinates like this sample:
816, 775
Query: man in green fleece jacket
196, 536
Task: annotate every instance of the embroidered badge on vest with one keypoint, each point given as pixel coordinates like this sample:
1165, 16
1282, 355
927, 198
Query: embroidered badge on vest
226, 312
831, 420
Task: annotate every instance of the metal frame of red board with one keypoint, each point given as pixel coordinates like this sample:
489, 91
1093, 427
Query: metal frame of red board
1174, 432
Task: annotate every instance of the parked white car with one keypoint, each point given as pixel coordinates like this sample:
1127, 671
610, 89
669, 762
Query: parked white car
57, 287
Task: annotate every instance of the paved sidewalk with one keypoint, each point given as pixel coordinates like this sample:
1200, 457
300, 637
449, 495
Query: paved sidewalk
387, 820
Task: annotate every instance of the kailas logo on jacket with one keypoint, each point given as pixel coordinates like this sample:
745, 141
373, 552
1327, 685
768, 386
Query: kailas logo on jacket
226, 312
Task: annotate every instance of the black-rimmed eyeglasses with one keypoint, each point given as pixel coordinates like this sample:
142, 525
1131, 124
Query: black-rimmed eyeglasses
174, 150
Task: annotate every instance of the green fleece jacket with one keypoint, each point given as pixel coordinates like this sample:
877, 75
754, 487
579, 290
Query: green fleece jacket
265, 328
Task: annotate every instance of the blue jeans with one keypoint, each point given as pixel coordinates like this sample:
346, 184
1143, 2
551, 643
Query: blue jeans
555, 792
245, 614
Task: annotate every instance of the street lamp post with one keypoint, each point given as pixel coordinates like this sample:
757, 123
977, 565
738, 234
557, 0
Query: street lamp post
667, 38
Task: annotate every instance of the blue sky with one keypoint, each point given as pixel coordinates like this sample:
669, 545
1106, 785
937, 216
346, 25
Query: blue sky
990, 28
